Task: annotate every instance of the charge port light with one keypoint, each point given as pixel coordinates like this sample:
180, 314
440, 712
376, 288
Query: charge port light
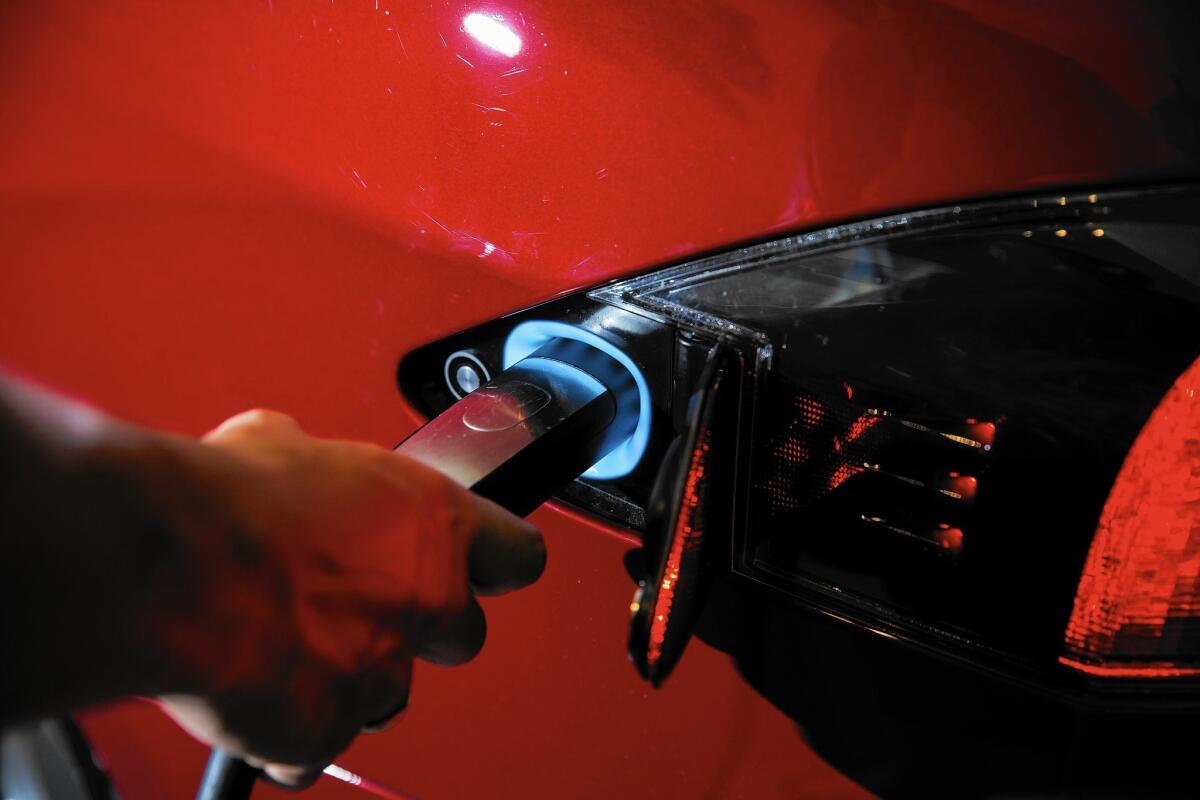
529, 336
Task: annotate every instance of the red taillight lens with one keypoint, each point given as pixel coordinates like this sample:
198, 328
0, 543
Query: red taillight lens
1137, 610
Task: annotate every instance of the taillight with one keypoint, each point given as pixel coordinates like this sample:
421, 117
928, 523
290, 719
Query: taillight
933, 413
1137, 611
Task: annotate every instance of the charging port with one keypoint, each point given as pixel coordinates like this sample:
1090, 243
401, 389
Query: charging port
536, 426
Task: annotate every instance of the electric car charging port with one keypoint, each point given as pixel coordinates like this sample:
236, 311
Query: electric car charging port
632, 355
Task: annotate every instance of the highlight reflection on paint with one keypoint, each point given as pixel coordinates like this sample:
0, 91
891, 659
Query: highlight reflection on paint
492, 33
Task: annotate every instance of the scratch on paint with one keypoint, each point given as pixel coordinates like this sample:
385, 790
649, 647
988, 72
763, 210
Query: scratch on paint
602, 173
443, 38
514, 71
434, 221
482, 107
468, 63
358, 179
403, 49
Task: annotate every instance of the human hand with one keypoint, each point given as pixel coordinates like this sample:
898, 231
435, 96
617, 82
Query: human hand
336, 565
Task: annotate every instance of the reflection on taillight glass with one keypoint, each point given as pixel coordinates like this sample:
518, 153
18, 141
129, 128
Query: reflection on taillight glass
1137, 609
851, 465
949, 538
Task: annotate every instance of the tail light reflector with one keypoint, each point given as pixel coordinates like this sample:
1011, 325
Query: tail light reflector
684, 537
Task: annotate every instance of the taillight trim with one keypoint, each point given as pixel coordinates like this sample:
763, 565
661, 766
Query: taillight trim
640, 293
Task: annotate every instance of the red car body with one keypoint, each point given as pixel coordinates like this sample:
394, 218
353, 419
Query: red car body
214, 206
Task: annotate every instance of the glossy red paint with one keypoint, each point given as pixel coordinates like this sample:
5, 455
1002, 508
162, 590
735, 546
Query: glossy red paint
211, 206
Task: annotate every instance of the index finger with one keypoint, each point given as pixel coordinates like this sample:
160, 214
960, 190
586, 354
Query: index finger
506, 552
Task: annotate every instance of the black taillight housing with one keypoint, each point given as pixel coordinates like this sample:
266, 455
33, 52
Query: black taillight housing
933, 411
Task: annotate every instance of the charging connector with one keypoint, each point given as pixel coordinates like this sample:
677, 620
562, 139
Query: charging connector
536, 426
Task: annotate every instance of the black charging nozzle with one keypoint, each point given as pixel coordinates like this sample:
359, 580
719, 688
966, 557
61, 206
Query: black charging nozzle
533, 428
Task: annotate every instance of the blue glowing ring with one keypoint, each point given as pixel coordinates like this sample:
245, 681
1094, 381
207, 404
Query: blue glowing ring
529, 336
